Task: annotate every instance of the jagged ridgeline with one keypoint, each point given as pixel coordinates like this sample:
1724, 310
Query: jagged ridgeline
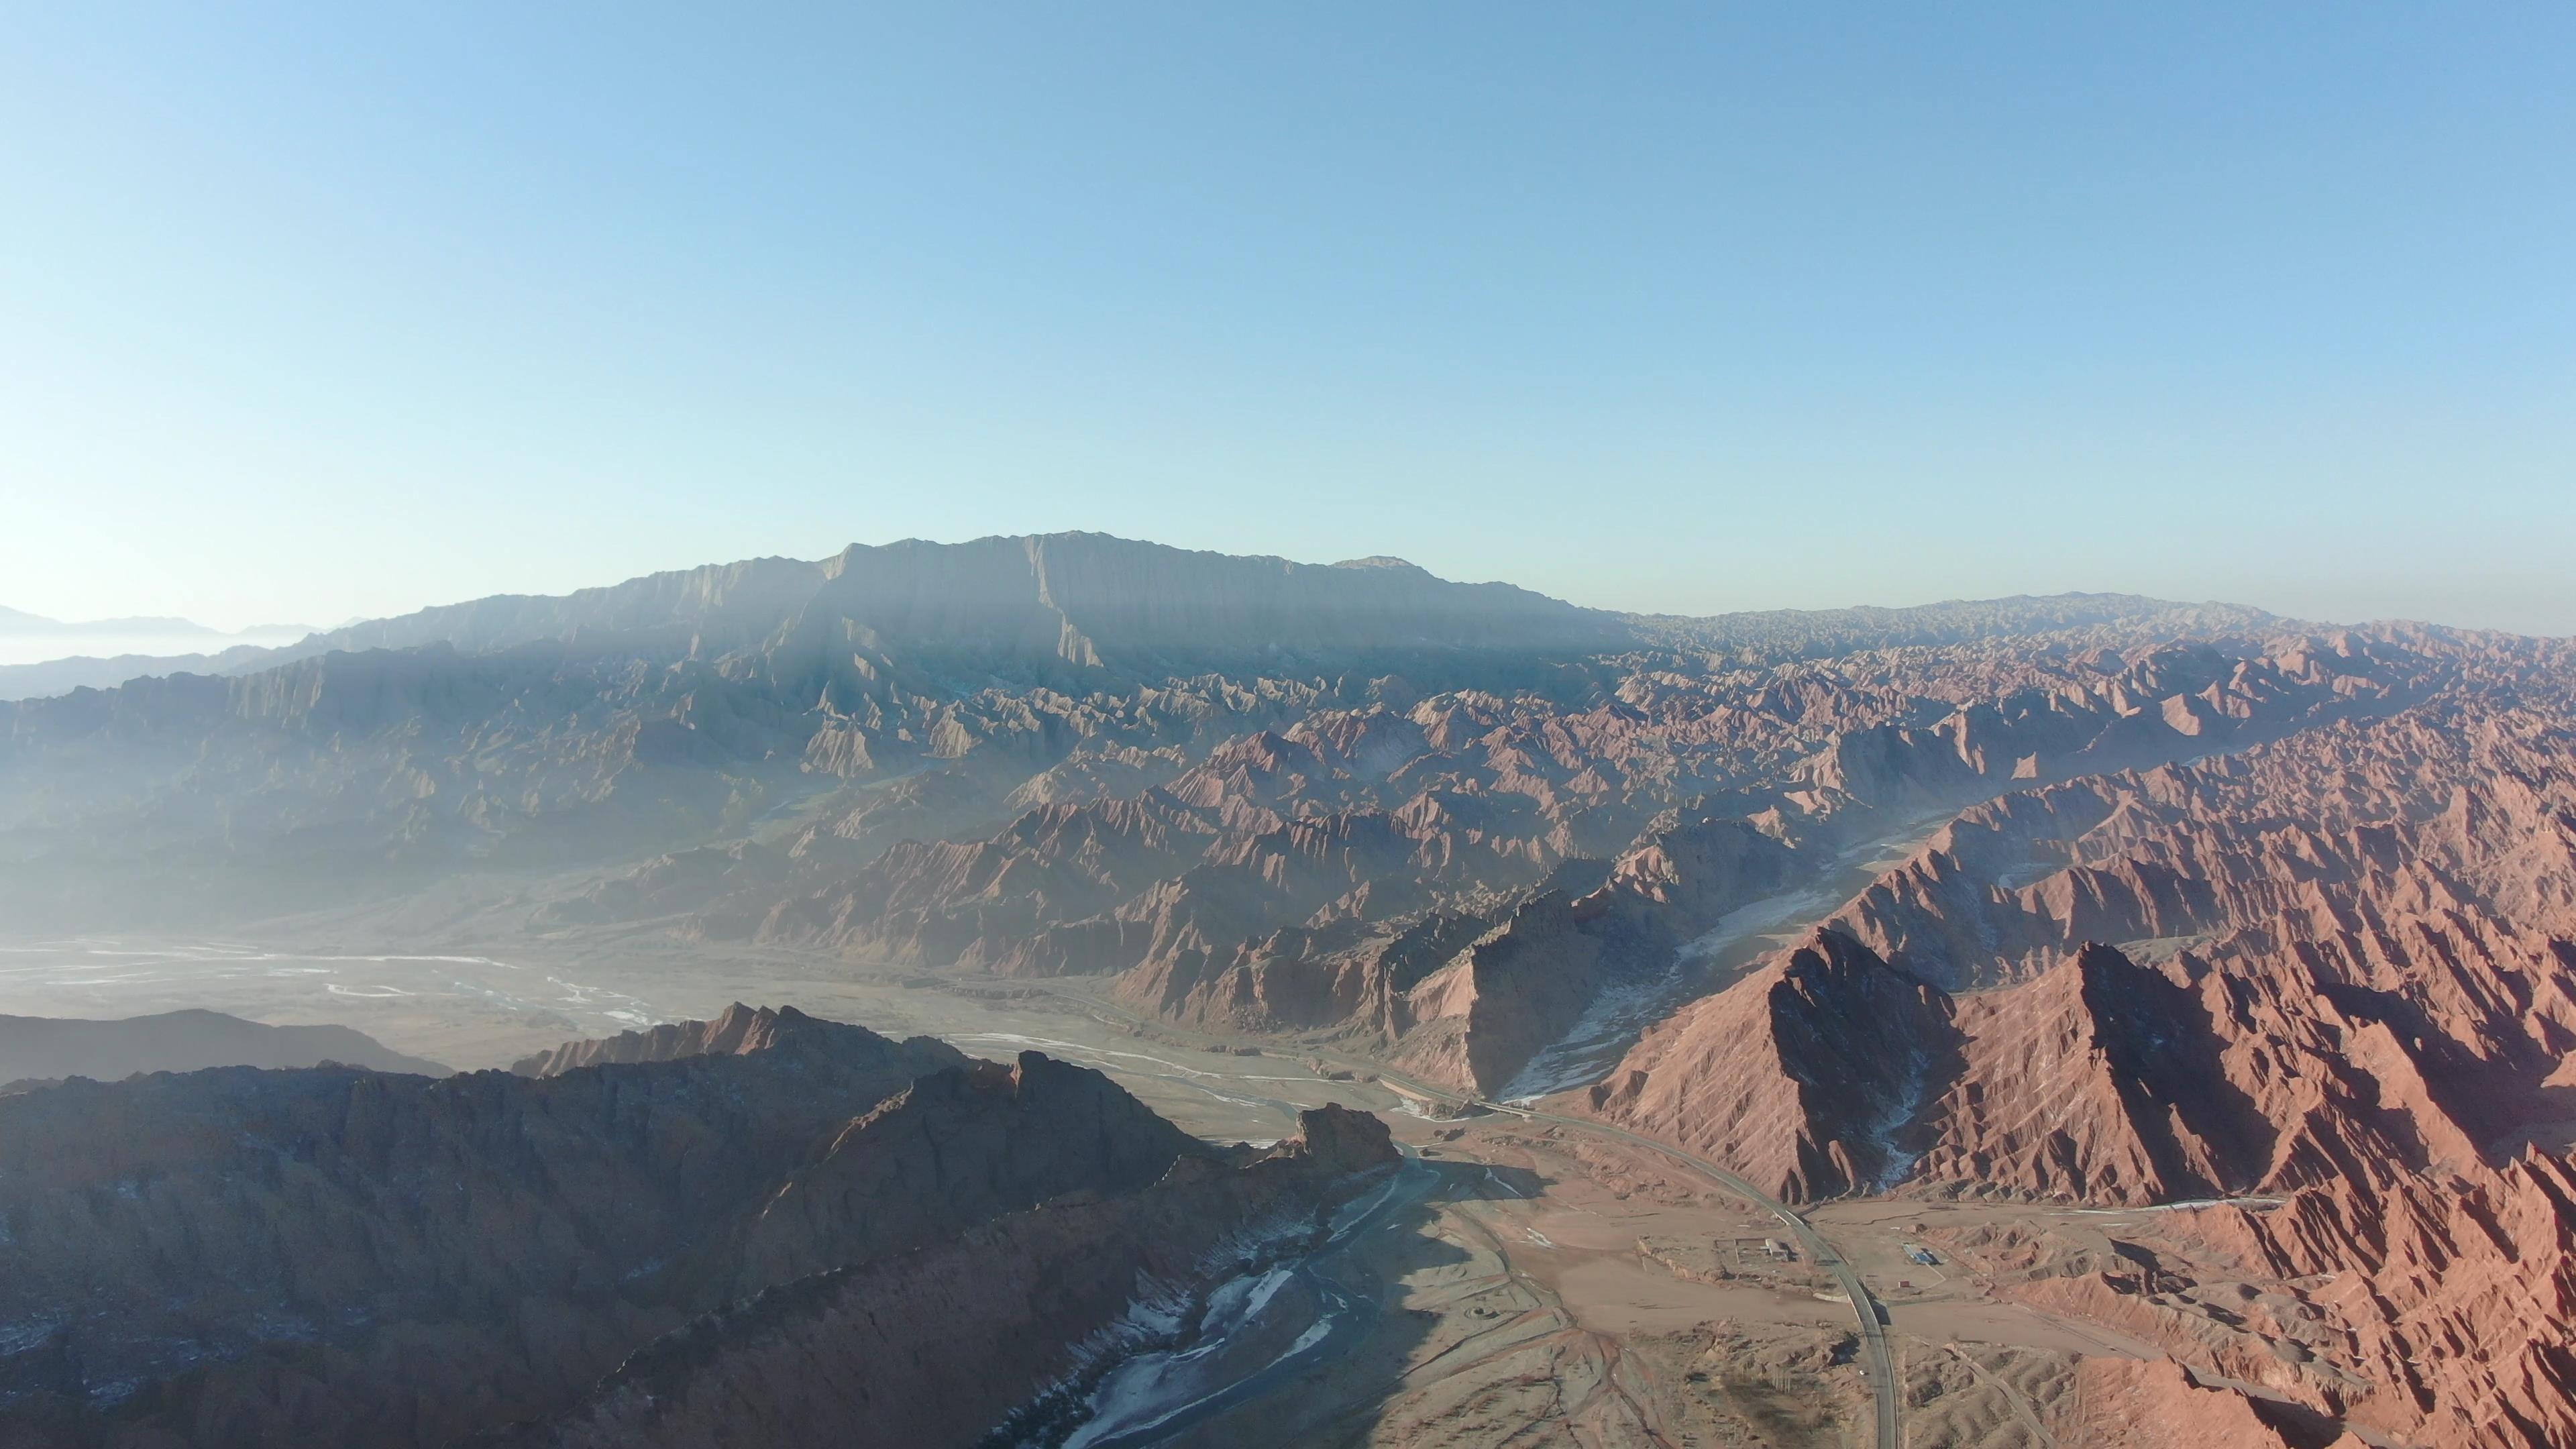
1446, 820
614, 1244
2008, 906
791, 720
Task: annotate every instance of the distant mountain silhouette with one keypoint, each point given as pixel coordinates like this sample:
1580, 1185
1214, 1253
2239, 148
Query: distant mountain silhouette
44, 1047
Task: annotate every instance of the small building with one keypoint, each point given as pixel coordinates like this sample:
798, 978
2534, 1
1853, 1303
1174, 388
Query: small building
1753, 1252
1922, 1255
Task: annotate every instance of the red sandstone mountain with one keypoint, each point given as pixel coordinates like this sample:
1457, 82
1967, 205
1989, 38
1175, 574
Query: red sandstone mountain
1806, 1076
2211, 906
1336, 873
2344, 973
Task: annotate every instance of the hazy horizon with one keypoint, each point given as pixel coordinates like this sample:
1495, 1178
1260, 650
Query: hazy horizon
1913, 748
1669, 310
27, 648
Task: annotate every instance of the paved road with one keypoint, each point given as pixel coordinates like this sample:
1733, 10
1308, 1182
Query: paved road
1873, 1330
1875, 1358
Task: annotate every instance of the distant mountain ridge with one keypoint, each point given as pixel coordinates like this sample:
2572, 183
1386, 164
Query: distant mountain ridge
19, 622
1062, 605
42, 656
1082, 599
676, 709
43, 1047
48, 677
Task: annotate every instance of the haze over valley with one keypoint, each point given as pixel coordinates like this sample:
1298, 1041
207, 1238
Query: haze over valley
1415, 727
2083, 989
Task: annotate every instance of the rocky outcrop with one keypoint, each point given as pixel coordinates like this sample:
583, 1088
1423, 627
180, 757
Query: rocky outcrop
2455, 1293
1828, 1071
335, 1256
907, 1351
2101, 1081
959, 1146
742, 1030
45, 1047
2156, 1404
1807, 1077
2346, 981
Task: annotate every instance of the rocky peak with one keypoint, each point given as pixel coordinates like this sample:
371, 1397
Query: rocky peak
739, 1030
1338, 1140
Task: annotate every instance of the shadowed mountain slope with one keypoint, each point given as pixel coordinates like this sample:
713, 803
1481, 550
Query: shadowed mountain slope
340, 1256
2337, 968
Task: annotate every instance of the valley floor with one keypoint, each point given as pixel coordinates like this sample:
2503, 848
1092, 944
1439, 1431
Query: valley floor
1538, 1284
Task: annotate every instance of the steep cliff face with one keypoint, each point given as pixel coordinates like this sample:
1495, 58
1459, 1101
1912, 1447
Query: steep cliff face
911, 1350
2345, 979
2457, 1295
2100, 1081
333, 1256
2156, 1404
1807, 1076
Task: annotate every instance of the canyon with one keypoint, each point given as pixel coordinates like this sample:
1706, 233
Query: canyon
2166, 1012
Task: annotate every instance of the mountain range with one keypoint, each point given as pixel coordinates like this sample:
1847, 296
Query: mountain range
349, 1256
17, 624
41, 656
2081, 900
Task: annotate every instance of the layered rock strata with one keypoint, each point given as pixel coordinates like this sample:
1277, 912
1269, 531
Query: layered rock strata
2344, 991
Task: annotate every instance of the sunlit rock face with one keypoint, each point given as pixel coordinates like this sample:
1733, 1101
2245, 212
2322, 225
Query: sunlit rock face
2343, 990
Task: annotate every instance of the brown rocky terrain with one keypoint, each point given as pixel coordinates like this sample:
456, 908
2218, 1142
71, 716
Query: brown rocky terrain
1458, 881
1266, 796
737, 1031
2333, 970
2086, 903
332, 1255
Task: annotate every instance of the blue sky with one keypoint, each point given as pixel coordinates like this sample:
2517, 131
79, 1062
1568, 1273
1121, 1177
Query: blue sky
1684, 308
